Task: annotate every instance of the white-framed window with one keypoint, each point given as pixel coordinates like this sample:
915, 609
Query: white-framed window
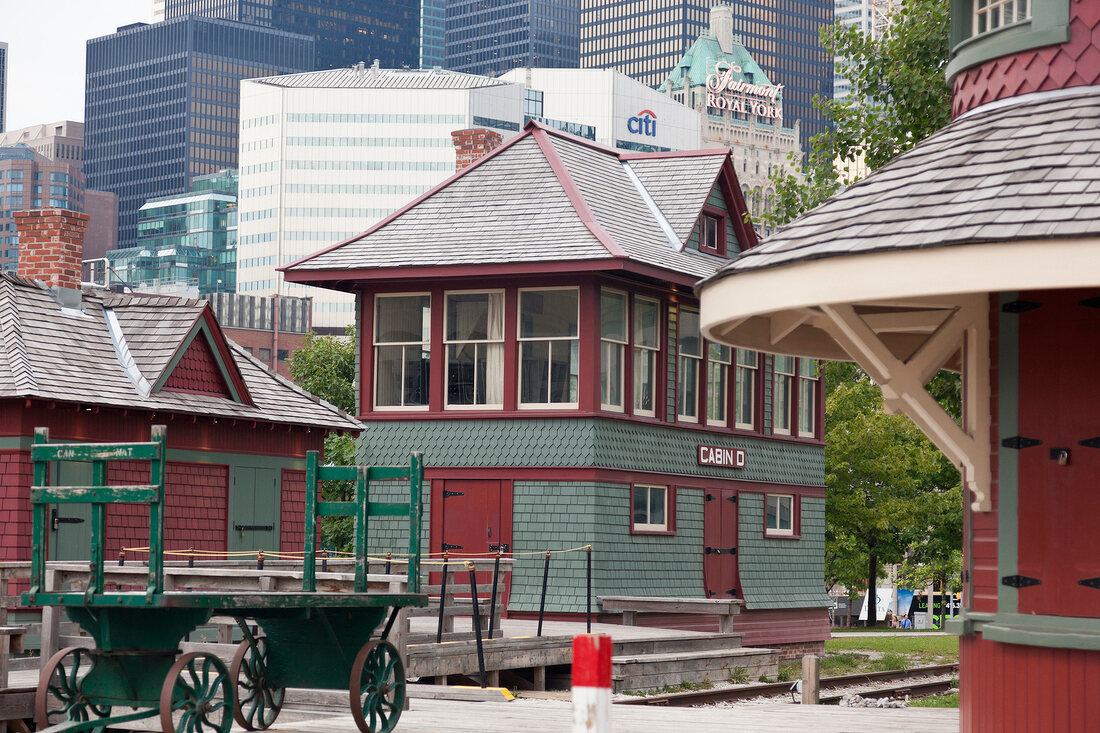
474, 338
647, 351
989, 15
711, 234
718, 368
745, 399
650, 510
807, 397
779, 517
613, 341
783, 373
549, 365
689, 348
402, 360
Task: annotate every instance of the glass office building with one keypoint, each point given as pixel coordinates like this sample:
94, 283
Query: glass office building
186, 242
3, 85
490, 38
644, 40
346, 31
433, 40
161, 104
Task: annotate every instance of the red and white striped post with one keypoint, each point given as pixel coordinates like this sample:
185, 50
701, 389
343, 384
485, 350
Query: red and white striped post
592, 683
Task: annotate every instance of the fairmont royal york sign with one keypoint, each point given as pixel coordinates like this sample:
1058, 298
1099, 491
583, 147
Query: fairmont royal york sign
713, 455
726, 92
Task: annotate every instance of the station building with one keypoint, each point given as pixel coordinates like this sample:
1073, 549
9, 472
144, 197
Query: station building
530, 325
327, 154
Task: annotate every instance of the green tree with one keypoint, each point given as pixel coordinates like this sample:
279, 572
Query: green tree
899, 96
325, 366
890, 493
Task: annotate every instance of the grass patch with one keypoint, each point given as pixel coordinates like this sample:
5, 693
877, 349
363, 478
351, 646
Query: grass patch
842, 663
739, 676
924, 646
669, 689
789, 671
891, 661
950, 700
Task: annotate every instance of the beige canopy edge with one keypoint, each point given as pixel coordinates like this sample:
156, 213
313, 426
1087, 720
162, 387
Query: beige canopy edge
902, 316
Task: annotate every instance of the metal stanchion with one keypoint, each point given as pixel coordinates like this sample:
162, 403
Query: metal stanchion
588, 597
191, 557
121, 558
542, 601
324, 561
493, 600
442, 601
260, 560
389, 556
477, 624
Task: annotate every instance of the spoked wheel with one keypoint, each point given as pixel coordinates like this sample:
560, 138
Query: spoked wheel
60, 694
377, 687
197, 696
257, 702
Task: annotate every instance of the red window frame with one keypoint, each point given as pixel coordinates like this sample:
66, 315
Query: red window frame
720, 217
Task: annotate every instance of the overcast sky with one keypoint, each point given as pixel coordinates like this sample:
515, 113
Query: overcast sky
46, 41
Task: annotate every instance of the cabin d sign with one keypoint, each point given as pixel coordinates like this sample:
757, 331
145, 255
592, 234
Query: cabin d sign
712, 455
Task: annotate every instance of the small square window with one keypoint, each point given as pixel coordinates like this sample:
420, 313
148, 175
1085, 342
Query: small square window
264, 355
779, 517
712, 234
650, 509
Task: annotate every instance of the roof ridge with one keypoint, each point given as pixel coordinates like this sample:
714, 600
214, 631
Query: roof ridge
12, 348
572, 191
654, 207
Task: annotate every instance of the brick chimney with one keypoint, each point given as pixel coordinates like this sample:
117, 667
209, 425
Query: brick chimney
472, 145
51, 243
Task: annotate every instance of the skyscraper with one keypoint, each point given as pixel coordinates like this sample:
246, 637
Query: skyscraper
871, 17
643, 40
161, 103
346, 31
781, 35
491, 38
433, 26
3, 85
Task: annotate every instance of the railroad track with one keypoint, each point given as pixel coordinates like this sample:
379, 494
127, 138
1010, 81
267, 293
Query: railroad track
733, 694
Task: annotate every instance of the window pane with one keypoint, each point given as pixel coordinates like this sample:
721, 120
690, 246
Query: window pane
747, 358
656, 505
689, 341
611, 370
548, 314
782, 403
403, 319
772, 520
461, 374
806, 405
467, 316
784, 512
563, 371
645, 362
719, 352
746, 395
534, 369
645, 323
612, 315
688, 394
641, 505
784, 364
716, 391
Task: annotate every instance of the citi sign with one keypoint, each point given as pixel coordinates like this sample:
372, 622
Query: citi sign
644, 123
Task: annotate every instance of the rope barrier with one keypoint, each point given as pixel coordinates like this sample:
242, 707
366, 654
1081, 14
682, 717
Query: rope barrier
395, 557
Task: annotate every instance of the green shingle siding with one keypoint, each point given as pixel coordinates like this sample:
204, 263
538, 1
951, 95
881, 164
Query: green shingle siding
585, 442
781, 573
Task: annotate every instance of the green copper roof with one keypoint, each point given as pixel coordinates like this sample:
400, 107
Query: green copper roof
700, 59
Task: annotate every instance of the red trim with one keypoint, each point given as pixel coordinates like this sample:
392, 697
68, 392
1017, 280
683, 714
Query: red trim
366, 353
437, 376
670, 508
511, 350
570, 187
715, 213
731, 190
589, 350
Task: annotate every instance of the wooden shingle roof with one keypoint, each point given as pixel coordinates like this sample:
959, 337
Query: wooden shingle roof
79, 355
545, 196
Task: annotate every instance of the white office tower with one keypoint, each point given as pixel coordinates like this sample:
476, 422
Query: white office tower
872, 17
326, 154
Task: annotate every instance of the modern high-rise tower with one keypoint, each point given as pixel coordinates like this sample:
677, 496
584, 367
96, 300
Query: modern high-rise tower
514, 33
871, 17
647, 40
346, 31
161, 103
3, 84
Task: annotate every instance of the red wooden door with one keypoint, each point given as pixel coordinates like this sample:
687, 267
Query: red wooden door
474, 518
720, 575
1058, 504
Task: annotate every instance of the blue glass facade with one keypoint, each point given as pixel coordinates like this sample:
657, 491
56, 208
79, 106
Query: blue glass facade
161, 104
3, 85
433, 25
490, 38
346, 31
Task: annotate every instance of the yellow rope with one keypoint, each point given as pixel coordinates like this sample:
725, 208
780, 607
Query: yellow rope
395, 557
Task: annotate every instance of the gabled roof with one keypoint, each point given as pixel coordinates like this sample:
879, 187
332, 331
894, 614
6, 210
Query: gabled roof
546, 197
698, 62
119, 350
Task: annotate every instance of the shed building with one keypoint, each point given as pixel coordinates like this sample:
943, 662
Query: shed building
530, 325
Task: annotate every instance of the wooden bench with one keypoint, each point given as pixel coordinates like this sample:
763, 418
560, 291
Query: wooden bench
630, 606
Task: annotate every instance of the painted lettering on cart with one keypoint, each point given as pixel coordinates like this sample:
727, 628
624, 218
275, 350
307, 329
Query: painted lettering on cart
643, 123
712, 455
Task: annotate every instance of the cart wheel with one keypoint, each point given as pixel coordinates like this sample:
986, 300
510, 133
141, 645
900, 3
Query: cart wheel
257, 703
197, 696
377, 687
60, 694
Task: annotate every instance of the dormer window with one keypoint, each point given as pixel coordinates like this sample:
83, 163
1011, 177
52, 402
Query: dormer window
712, 233
989, 15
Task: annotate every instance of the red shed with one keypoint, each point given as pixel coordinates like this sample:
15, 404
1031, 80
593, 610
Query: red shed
979, 250
90, 364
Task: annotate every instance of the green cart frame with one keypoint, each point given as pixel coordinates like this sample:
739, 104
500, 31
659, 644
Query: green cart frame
310, 639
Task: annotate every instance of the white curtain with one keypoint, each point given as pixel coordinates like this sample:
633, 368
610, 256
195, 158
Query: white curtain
494, 352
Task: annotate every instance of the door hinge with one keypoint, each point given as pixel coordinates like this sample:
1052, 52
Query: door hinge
1090, 442
710, 497
731, 592
253, 527
732, 498
721, 550
1090, 583
1020, 306
1019, 442
56, 520
502, 547
448, 547
449, 494
1019, 581
1090, 303
710, 593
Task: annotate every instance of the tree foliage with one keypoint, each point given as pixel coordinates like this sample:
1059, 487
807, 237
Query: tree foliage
325, 366
899, 96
